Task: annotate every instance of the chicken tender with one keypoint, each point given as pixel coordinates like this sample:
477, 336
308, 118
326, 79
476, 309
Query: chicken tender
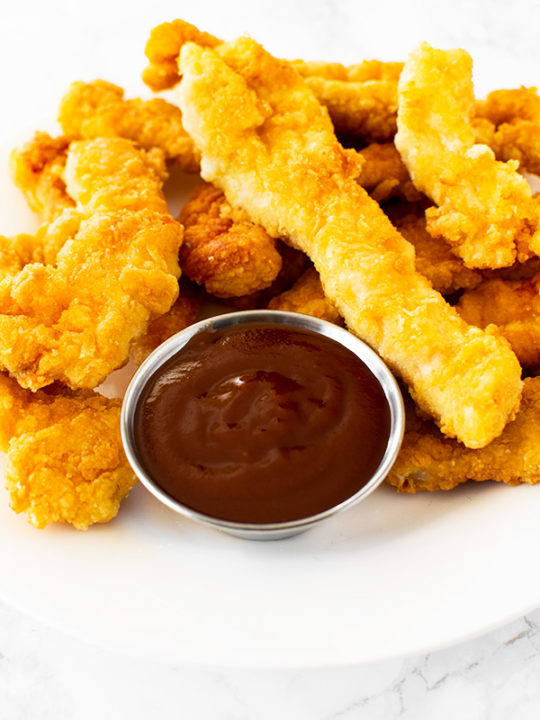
307, 296
278, 158
115, 268
514, 306
222, 249
510, 120
433, 257
38, 170
183, 313
384, 175
163, 48
65, 457
485, 208
364, 71
98, 109
429, 461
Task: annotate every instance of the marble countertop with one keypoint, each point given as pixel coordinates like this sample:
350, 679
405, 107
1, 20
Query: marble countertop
45, 674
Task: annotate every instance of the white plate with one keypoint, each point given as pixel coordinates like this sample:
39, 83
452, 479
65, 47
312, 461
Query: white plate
393, 576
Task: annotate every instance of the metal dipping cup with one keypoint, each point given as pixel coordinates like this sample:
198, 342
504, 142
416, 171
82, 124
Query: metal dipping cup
278, 530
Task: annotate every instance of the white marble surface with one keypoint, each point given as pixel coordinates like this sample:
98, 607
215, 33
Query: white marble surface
46, 675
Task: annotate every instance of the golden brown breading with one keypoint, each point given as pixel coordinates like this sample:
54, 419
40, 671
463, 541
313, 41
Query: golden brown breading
277, 157
183, 313
433, 257
359, 72
307, 296
163, 48
361, 99
384, 175
98, 109
430, 461
486, 211
222, 249
514, 306
38, 170
65, 457
365, 109
115, 267
510, 122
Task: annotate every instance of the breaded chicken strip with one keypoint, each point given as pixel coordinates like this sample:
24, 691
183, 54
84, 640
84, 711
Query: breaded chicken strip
163, 48
384, 175
183, 313
276, 156
364, 71
115, 268
307, 296
514, 306
38, 170
429, 461
65, 457
98, 109
513, 126
486, 211
366, 109
433, 257
222, 249
361, 100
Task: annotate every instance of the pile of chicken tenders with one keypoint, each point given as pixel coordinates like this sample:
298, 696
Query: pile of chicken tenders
381, 196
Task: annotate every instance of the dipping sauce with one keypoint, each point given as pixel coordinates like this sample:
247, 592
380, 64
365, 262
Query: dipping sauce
262, 423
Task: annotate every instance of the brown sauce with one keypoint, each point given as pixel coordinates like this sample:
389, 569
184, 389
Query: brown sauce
262, 423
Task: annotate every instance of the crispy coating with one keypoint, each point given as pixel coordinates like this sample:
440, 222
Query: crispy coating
430, 461
307, 296
384, 175
65, 457
115, 268
485, 208
434, 259
222, 249
98, 109
163, 48
38, 170
361, 99
509, 120
366, 109
183, 313
512, 305
359, 72
278, 158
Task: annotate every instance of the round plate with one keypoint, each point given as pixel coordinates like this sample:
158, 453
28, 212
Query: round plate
392, 576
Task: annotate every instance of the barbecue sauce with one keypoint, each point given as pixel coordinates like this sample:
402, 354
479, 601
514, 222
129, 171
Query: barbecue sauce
262, 423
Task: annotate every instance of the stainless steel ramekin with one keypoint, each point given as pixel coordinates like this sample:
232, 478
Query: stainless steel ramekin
263, 531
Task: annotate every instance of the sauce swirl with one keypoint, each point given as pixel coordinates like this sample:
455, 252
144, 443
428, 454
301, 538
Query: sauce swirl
262, 423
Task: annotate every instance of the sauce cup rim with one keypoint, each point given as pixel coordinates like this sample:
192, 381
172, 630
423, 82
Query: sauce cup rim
343, 337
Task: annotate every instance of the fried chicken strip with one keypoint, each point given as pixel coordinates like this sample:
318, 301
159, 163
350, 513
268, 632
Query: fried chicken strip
307, 296
429, 461
115, 268
38, 170
277, 157
384, 175
510, 120
361, 99
222, 249
433, 257
514, 306
485, 208
98, 109
65, 457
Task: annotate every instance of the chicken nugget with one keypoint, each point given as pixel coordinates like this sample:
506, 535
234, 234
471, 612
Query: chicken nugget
65, 461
